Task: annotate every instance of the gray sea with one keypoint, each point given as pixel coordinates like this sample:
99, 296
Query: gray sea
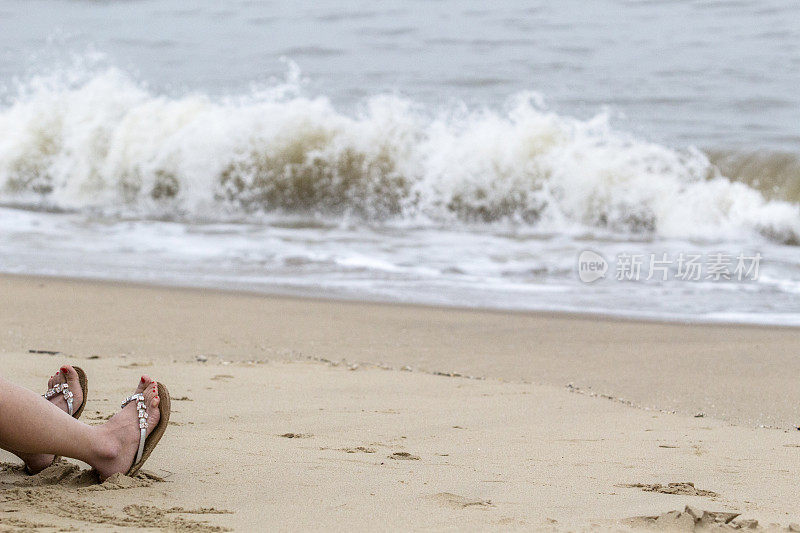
444, 152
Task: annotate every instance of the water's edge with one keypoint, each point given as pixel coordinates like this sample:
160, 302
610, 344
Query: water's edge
316, 297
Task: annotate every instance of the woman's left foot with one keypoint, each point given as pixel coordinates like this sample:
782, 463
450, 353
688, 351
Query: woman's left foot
119, 437
35, 463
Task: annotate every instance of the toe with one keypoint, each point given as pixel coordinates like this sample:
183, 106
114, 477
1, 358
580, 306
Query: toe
51, 382
144, 381
69, 374
151, 391
152, 400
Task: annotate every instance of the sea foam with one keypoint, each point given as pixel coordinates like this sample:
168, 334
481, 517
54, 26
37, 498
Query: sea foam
100, 141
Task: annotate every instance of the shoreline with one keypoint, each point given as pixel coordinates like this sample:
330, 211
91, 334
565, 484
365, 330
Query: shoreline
342, 299
742, 374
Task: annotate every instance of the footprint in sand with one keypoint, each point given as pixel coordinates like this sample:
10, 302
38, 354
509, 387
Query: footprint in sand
404, 456
222, 377
680, 489
358, 449
138, 364
296, 435
454, 501
65, 491
692, 519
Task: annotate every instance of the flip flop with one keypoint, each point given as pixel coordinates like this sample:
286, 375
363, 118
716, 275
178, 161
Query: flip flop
148, 442
63, 388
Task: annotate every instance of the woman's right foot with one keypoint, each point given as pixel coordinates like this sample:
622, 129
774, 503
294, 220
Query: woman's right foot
119, 437
36, 462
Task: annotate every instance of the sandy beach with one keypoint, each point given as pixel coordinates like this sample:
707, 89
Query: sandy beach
293, 413
742, 374
441, 266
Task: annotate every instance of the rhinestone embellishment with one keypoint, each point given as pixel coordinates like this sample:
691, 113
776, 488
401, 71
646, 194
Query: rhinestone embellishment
62, 388
141, 410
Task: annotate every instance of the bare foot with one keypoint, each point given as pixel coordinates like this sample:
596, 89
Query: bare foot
66, 374
120, 434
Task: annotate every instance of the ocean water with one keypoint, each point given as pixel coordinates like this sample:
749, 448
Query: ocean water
450, 153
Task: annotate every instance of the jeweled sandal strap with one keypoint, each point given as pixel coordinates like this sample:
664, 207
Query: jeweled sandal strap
142, 413
62, 388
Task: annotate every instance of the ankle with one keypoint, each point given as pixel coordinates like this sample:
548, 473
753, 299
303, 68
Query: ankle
105, 447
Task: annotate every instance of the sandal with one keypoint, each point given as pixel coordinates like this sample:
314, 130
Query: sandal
148, 442
63, 388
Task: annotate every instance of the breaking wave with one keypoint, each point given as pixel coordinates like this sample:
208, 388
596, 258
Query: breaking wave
103, 142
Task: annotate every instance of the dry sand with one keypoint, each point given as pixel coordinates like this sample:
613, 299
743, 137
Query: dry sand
286, 442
